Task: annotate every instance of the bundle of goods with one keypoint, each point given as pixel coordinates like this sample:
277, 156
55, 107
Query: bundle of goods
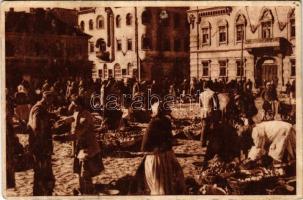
120, 140
236, 181
186, 128
254, 181
215, 174
217, 167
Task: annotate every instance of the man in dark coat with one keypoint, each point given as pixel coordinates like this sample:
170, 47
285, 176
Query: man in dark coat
41, 146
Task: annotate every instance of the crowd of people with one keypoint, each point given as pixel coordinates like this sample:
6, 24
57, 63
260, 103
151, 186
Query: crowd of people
37, 106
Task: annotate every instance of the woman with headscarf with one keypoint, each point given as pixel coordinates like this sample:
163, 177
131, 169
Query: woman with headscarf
163, 173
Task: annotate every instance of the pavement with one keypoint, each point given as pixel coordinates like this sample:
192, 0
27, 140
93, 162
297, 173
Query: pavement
188, 153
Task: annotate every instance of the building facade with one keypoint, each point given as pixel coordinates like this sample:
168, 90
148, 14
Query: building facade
40, 45
148, 43
256, 43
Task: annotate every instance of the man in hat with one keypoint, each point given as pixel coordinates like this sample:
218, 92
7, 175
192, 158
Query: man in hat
88, 161
41, 146
270, 98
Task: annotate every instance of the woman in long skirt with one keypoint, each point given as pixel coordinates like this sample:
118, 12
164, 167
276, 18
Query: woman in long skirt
163, 173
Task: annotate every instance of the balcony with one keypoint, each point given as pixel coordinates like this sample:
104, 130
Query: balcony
103, 55
264, 42
279, 44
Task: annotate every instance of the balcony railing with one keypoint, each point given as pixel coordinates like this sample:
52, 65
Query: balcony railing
263, 42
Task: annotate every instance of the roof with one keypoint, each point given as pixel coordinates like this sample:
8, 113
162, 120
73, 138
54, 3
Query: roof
40, 21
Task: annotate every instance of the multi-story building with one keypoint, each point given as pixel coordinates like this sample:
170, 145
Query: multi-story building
150, 43
257, 43
39, 44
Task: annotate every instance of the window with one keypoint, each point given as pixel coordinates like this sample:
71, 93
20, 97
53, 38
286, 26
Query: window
101, 44
124, 72
240, 28
119, 45
105, 70
266, 29
205, 36
222, 34
240, 69
118, 21
292, 28
146, 17
166, 44
129, 44
146, 42
223, 68
293, 67
239, 32
129, 68
82, 25
117, 71
205, 68
176, 20
100, 73
100, 22
91, 24
177, 45
91, 47
129, 18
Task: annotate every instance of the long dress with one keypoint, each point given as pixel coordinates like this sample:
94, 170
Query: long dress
163, 173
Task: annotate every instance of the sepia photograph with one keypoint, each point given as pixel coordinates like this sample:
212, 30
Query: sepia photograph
151, 99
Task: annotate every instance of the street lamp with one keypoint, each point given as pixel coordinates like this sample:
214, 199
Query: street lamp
242, 48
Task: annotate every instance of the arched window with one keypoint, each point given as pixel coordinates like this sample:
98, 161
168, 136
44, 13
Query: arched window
145, 42
146, 17
118, 21
267, 20
240, 28
129, 69
82, 25
91, 24
129, 19
206, 37
100, 22
101, 44
223, 31
117, 71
